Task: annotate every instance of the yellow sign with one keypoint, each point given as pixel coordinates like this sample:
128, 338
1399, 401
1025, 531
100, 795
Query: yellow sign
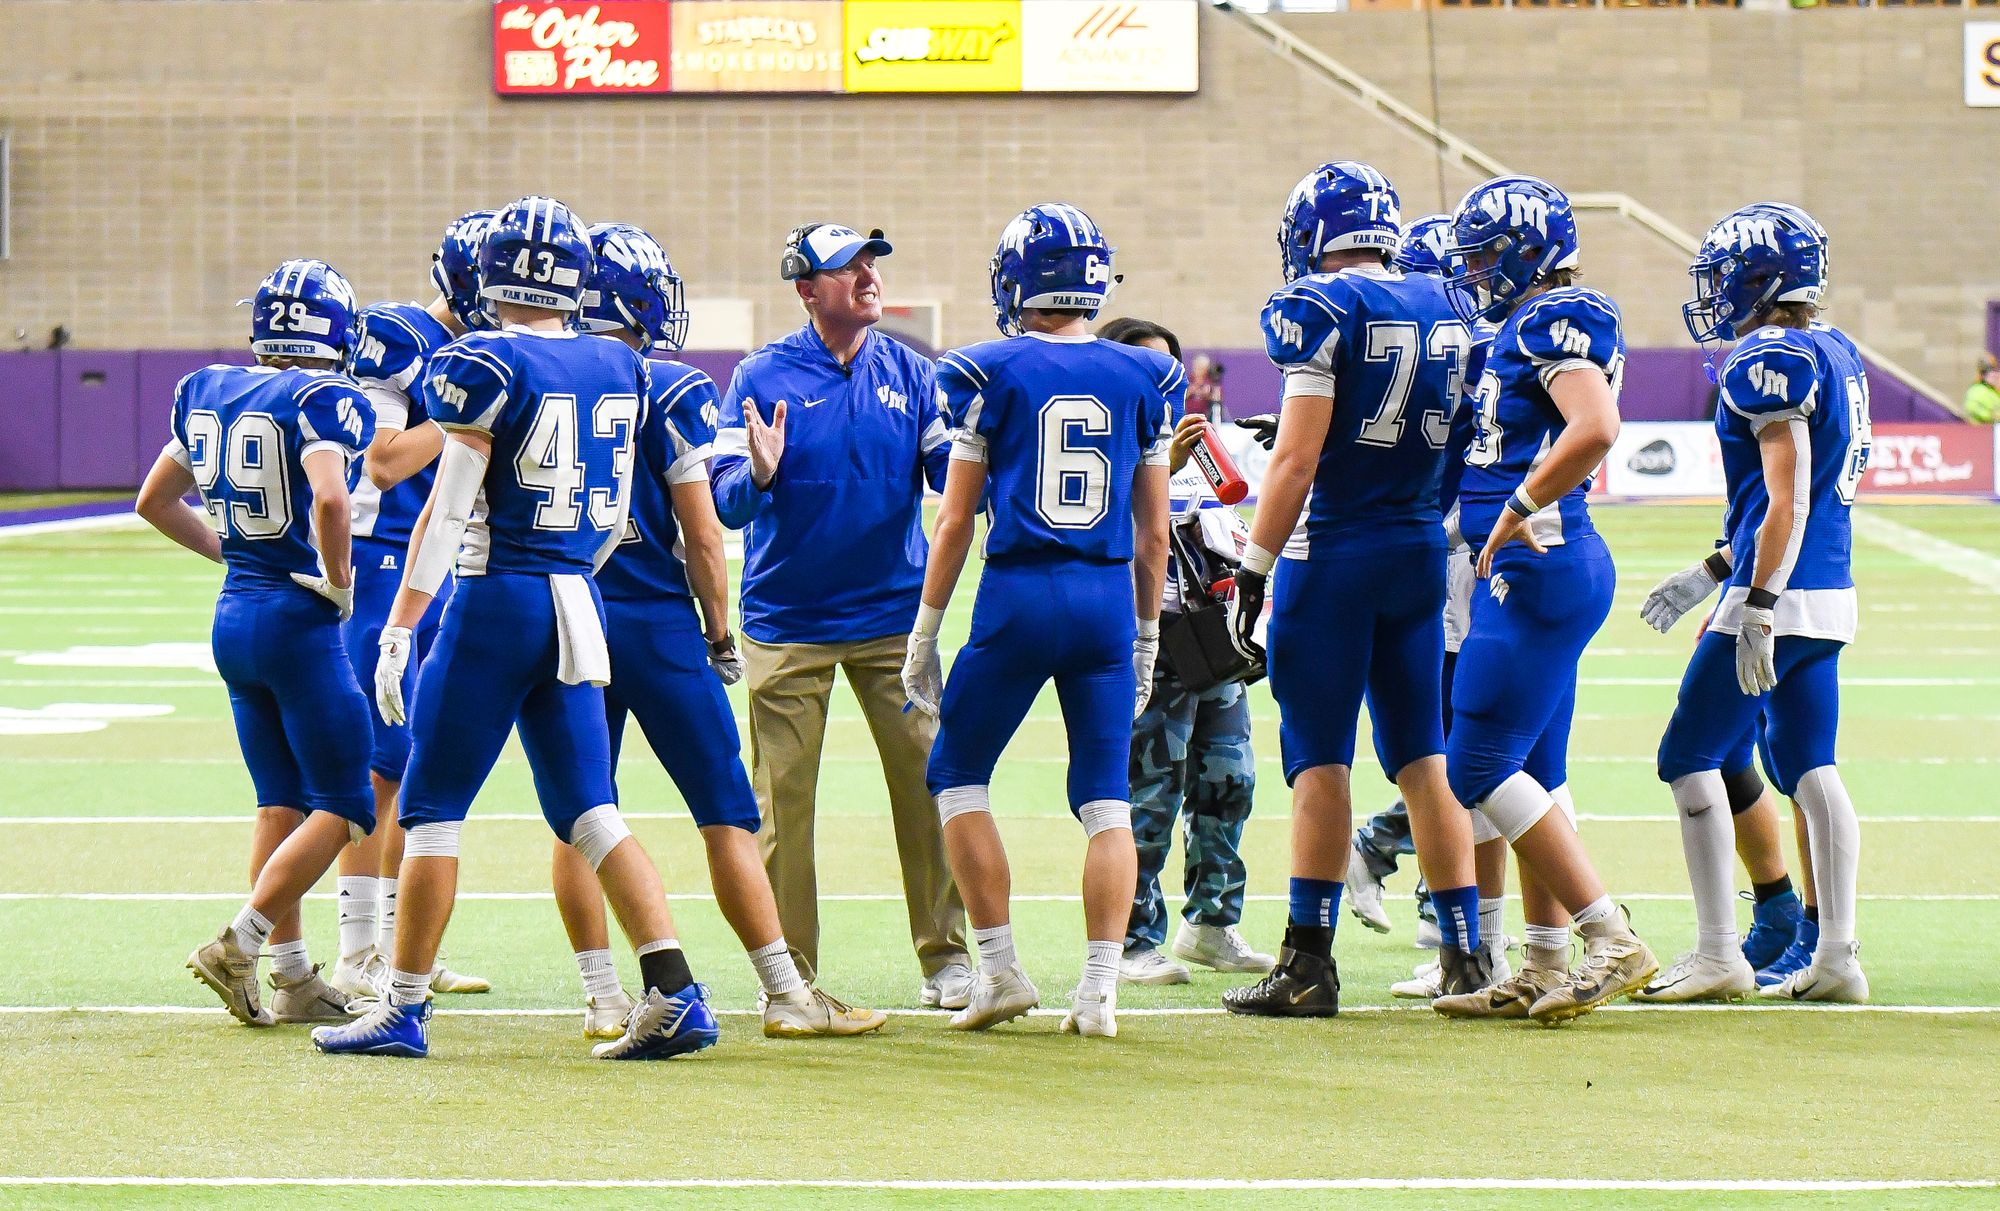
939, 46
757, 46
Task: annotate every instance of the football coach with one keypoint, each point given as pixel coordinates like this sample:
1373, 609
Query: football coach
825, 440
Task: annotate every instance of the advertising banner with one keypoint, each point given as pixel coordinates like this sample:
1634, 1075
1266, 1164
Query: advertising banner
564, 48
764, 46
924, 46
1982, 63
1952, 458
1664, 458
1109, 45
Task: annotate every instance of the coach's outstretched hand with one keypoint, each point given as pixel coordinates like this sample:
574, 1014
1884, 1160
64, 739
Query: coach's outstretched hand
766, 442
389, 666
1263, 426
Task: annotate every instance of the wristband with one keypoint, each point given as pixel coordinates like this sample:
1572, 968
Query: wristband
1257, 560
929, 619
1149, 628
1718, 566
1522, 503
1761, 599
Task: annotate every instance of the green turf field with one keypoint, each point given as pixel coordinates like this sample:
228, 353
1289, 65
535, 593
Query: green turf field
123, 830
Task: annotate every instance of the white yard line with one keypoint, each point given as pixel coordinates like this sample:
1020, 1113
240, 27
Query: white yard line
244, 818
232, 897
1183, 1011
1072, 1185
68, 525
1964, 562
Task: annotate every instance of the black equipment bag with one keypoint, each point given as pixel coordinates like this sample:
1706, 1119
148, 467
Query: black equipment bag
1195, 642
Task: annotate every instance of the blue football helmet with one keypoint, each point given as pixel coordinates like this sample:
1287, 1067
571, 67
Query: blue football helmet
634, 286
1050, 256
1523, 228
1426, 243
455, 268
1765, 253
303, 309
535, 253
1345, 204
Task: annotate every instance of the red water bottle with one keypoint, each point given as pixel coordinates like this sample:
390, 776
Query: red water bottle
1219, 469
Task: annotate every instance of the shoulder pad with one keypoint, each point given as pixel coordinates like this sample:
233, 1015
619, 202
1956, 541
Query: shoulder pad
1300, 317
1774, 371
1570, 323
388, 346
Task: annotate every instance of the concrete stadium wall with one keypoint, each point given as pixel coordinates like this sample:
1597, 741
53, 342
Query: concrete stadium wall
167, 154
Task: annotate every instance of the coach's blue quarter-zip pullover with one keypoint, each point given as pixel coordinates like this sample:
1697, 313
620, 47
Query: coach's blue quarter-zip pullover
834, 550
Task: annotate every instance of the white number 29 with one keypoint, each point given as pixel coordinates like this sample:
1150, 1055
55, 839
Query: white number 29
1071, 477
251, 457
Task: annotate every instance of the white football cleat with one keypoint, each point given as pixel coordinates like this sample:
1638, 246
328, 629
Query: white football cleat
1149, 966
1423, 984
1428, 936
360, 976
604, 1017
444, 979
1364, 893
815, 1012
1093, 1013
997, 997
1699, 977
950, 987
1219, 948
1836, 978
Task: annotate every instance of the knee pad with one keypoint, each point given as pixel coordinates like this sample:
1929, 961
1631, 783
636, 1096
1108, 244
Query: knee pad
1516, 805
1565, 801
955, 801
437, 839
1482, 828
1103, 815
597, 832
1745, 788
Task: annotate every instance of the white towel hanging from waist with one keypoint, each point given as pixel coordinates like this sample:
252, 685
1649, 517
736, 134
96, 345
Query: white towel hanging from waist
583, 657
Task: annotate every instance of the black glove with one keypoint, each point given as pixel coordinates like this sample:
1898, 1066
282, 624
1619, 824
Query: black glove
1246, 605
1264, 426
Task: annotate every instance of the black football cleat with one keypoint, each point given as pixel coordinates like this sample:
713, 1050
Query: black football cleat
1301, 986
1460, 972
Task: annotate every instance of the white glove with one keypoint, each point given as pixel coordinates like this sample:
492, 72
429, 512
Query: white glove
923, 677
1454, 533
342, 599
389, 666
1756, 665
725, 659
1676, 595
1145, 653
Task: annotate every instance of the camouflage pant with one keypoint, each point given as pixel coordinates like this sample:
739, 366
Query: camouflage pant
1383, 839
1190, 751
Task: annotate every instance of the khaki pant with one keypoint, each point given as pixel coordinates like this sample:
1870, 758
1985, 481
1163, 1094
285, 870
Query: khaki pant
790, 685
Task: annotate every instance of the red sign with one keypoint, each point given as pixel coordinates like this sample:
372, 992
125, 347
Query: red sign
569, 48
1950, 458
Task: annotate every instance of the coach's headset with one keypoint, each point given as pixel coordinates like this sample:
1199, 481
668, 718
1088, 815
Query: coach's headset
795, 264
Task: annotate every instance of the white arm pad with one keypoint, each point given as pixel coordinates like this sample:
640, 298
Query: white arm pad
461, 471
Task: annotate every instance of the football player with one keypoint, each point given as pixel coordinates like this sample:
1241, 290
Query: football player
542, 422
1071, 434
1372, 359
268, 447
669, 666
1794, 431
1546, 412
389, 487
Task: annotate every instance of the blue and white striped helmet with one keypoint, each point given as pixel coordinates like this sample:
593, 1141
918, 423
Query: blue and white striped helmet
634, 286
535, 253
455, 267
1341, 205
303, 309
1050, 256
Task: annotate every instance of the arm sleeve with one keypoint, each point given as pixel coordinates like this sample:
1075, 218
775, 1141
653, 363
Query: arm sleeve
333, 414
1302, 331
466, 386
689, 407
1770, 380
934, 435
1571, 329
738, 499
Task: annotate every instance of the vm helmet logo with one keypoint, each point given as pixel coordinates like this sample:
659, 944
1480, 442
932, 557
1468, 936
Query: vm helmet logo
1738, 234
1517, 209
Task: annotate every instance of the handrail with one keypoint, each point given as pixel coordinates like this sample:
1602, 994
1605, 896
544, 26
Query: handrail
1455, 150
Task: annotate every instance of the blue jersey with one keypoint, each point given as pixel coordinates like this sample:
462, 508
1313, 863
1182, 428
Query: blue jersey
1516, 422
1462, 413
673, 448
1391, 353
563, 411
1062, 424
1813, 376
391, 345
244, 432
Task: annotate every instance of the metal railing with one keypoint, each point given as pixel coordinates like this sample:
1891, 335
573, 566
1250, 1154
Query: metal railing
1460, 153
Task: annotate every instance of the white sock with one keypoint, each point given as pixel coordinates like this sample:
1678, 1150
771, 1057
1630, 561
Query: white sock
385, 921
357, 896
996, 949
408, 988
1708, 839
1492, 921
776, 971
1835, 837
289, 960
252, 930
1548, 937
600, 974
1594, 912
1100, 965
